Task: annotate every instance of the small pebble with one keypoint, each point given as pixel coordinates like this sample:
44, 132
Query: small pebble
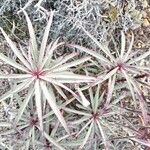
146, 23
145, 3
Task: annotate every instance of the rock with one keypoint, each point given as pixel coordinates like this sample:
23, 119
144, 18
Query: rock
146, 23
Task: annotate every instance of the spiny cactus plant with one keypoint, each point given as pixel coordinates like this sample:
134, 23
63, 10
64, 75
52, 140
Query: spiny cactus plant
39, 72
119, 66
124, 63
75, 101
